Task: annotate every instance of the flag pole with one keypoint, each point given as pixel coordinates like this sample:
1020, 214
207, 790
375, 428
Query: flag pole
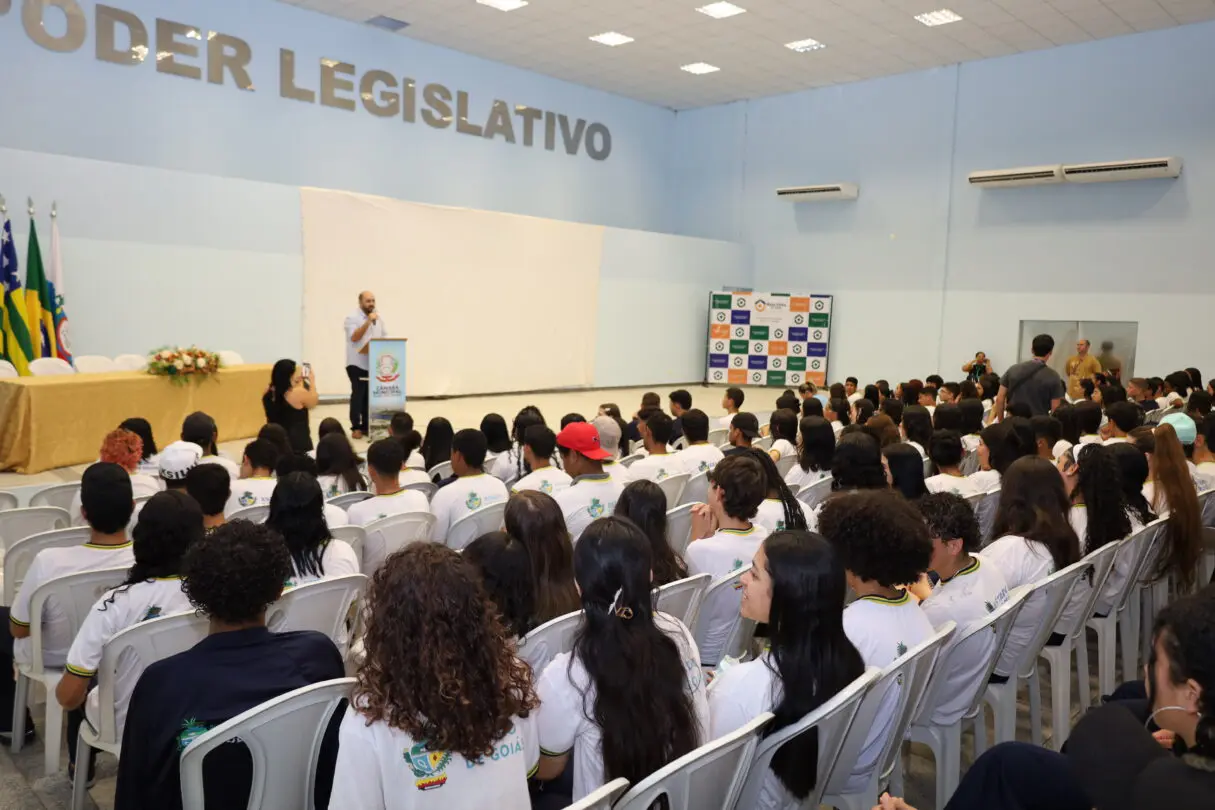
30, 201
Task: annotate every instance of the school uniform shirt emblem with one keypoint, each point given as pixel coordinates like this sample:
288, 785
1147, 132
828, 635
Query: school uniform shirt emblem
662, 474
990, 607
473, 501
191, 730
704, 465
428, 766
595, 509
152, 612
247, 498
901, 648
546, 487
780, 525
738, 585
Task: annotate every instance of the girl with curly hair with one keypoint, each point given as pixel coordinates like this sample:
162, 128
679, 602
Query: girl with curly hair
440, 700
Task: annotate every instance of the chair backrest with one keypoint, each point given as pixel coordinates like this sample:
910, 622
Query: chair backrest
75, 594
354, 536
679, 444
630, 459
549, 640
1206, 503
742, 631
94, 364
679, 528
348, 499
785, 464
985, 511
50, 366
476, 523
253, 514
970, 463
709, 778
442, 470
762, 443
284, 737
18, 524
142, 645
909, 674
1054, 593
390, 534
697, 489
1102, 562
681, 598
8, 500
425, 487
57, 495
321, 606
673, 486
1141, 548
131, 362
815, 493
832, 719
227, 357
719, 436
7, 370
602, 798
21, 553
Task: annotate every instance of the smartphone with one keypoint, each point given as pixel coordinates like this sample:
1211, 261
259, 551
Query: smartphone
307, 371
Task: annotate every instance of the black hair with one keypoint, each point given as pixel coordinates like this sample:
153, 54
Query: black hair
1025, 434
335, 456
210, 485
1099, 483
1133, 473
506, 572
571, 418
947, 416
843, 411
681, 398
436, 445
280, 384
894, 409
263, 454
541, 440
329, 425
1042, 345
911, 391
1048, 428
906, 469
660, 426
917, 425
1087, 387
864, 410
1066, 414
200, 429
169, 523
296, 462
949, 517
1111, 393
968, 390
400, 424
143, 429
783, 425
1179, 381
808, 648
1186, 631
857, 463
879, 536
794, 516
1199, 403
235, 572
872, 394
1125, 415
852, 380
297, 512
528, 417
644, 503
695, 426
945, 449
471, 446
953, 388
743, 483
386, 457
645, 723
106, 499
497, 438
991, 386
787, 402
736, 396
277, 435
1088, 417
812, 407
410, 442
837, 391
1004, 446
1195, 377
935, 380
818, 444
1034, 505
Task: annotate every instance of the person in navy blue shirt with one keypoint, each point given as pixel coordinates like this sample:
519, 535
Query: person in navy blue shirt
232, 575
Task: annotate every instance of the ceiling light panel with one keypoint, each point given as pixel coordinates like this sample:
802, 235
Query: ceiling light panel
803, 45
611, 39
504, 5
941, 16
700, 68
719, 11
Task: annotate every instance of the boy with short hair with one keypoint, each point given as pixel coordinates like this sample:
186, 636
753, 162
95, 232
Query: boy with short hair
1123, 418
699, 456
384, 468
659, 463
472, 488
950, 393
539, 444
1088, 421
850, 386
945, 450
211, 486
257, 481
592, 493
732, 401
681, 403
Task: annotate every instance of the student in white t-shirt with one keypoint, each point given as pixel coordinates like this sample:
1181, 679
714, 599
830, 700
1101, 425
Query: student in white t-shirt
839, 414
338, 466
946, 452
1099, 514
644, 503
648, 721
539, 445
124, 448
168, 524
916, 427
384, 466
439, 688
660, 463
782, 427
699, 456
972, 423
1048, 432
966, 593
999, 446
1123, 418
724, 539
1133, 466
256, 482
609, 440
300, 462
297, 512
796, 586
780, 510
1088, 420
1034, 539
884, 545
732, 401
401, 428
107, 505
497, 439
512, 465
471, 489
815, 451
200, 429
850, 389
592, 493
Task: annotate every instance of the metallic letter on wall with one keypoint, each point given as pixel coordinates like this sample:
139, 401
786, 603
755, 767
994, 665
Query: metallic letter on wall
231, 53
391, 100
499, 122
603, 148
530, 116
137, 36
286, 79
33, 13
462, 123
333, 79
169, 47
438, 99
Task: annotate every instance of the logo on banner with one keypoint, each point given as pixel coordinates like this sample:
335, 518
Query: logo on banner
740, 332
387, 369
761, 305
719, 346
797, 348
816, 364
757, 377
741, 302
721, 316
795, 377
738, 361
717, 375
818, 334
759, 347
818, 305
799, 320
779, 334
776, 362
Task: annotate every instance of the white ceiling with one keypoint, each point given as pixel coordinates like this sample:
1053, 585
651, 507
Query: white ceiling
864, 38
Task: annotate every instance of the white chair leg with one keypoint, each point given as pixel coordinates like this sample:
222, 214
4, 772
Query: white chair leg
20, 702
1128, 631
53, 734
1147, 618
1083, 687
895, 787
1107, 657
1035, 707
949, 763
80, 781
1060, 701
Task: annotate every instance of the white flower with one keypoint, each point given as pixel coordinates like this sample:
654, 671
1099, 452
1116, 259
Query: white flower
178, 364
202, 362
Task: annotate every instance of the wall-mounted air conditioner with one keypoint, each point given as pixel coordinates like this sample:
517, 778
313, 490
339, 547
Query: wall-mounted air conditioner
1011, 178
830, 191
1145, 169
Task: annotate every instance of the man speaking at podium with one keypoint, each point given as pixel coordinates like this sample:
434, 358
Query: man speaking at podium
361, 326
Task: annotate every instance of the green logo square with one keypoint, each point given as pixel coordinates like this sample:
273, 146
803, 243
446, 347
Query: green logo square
759, 333
776, 378
721, 301
819, 319
797, 363
739, 347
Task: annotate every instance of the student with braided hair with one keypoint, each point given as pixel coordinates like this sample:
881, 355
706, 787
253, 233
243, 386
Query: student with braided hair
780, 509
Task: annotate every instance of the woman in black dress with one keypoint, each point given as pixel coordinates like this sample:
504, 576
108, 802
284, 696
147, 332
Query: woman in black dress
287, 402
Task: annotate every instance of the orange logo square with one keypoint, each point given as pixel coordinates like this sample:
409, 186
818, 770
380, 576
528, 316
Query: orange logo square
799, 304
719, 331
777, 347
817, 377
738, 376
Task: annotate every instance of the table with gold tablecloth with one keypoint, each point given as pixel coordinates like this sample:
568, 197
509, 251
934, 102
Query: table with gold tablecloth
48, 422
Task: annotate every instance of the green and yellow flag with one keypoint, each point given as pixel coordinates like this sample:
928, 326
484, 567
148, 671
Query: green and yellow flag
18, 349
39, 308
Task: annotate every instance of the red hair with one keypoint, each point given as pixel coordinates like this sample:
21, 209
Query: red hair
122, 447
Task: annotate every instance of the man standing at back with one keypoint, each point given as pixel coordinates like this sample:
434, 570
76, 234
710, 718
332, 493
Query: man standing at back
361, 326
1110, 363
1033, 382
1080, 366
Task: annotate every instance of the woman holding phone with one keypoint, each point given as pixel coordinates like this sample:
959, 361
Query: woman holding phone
289, 397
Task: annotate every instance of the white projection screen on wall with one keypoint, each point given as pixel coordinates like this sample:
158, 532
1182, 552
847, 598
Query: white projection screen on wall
489, 302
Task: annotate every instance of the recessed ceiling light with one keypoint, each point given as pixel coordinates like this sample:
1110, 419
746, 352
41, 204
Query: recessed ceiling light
719, 11
504, 5
611, 39
803, 45
700, 67
939, 17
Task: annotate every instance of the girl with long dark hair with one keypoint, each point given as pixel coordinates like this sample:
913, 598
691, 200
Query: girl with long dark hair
511, 466
436, 445
287, 401
506, 572
338, 466
149, 461
780, 510
796, 585
782, 426
594, 701
534, 519
497, 439
999, 446
1093, 481
815, 449
917, 428
1133, 472
971, 409
906, 467
862, 409
644, 503
297, 512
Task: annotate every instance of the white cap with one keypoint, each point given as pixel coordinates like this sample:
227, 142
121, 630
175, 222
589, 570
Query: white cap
178, 459
1061, 447
609, 433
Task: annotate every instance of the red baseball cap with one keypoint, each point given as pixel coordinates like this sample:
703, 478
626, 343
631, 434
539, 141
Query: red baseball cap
581, 437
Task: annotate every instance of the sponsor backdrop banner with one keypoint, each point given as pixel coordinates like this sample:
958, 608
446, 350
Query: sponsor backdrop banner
777, 339
385, 382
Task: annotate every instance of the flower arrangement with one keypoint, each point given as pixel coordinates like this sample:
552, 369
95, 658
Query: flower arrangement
181, 364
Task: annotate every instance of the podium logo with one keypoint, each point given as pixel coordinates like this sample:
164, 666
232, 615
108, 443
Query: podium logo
387, 369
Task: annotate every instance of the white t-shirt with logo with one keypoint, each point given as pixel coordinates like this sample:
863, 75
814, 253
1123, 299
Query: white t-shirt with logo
721, 553
698, 458
334, 485
968, 597
114, 612
985, 480
618, 473
656, 468
383, 768
49, 564
231, 466
771, 515
738, 696
587, 498
546, 479
462, 497
882, 630
380, 506
141, 486
804, 478
785, 448
1022, 562
337, 560
248, 492
567, 706
962, 485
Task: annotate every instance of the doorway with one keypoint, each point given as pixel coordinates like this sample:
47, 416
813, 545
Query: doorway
1123, 335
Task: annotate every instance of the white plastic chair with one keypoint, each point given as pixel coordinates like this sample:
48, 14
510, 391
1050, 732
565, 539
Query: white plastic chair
679, 444
785, 464
348, 499
815, 494
19, 555
131, 362
354, 536
742, 631
75, 595
390, 534
969, 464
425, 487
94, 364
549, 640
8, 500
682, 598
8, 371
763, 443
709, 778
679, 528
442, 470
227, 357
476, 523
673, 486
132, 649
284, 739
697, 489
18, 524
49, 367
56, 495
253, 514
602, 798
629, 460
1059, 657
909, 673
719, 436
1206, 504
321, 606
945, 742
832, 719
985, 511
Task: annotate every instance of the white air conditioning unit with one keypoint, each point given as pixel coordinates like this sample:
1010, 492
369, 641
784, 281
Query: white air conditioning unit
1145, 169
1011, 178
831, 191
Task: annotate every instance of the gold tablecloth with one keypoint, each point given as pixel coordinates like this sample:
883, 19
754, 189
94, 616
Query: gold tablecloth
48, 422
